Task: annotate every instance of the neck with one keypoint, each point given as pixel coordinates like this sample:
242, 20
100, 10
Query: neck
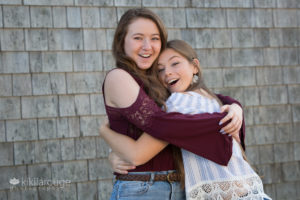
203, 92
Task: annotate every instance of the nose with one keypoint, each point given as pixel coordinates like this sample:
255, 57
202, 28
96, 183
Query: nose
146, 44
168, 71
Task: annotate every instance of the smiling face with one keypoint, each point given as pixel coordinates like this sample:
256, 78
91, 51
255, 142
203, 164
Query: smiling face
175, 71
142, 42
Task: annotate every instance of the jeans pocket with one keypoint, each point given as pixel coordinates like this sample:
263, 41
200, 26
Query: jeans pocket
132, 188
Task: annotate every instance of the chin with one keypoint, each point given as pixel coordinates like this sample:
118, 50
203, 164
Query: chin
144, 67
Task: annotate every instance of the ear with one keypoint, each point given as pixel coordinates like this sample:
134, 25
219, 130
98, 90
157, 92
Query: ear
196, 63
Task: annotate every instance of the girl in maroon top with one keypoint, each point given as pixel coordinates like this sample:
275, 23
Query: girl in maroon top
133, 97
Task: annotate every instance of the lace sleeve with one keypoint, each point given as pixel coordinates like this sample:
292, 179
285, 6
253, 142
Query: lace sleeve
141, 112
191, 132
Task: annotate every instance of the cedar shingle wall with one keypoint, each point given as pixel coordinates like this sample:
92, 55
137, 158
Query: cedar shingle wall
54, 55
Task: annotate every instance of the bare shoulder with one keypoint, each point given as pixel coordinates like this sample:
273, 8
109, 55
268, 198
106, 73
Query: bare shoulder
120, 88
117, 73
118, 78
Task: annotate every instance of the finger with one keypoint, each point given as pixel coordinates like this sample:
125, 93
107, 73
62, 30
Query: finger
239, 123
121, 161
232, 126
125, 164
226, 118
234, 133
224, 108
125, 167
236, 136
121, 171
233, 129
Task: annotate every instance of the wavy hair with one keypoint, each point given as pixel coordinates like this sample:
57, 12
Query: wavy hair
185, 50
152, 85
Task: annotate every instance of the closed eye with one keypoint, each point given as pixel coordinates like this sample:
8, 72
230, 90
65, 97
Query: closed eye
137, 38
175, 63
160, 70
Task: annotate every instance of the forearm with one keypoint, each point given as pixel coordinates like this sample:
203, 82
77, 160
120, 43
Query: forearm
137, 152
124, 146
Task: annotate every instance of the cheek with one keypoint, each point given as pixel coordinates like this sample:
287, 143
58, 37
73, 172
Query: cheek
126, 50
161, 77
189, 74
157, 47
126, 47
129, 46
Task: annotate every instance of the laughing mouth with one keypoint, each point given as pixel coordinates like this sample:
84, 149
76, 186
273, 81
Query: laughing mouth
145, 55
172, 82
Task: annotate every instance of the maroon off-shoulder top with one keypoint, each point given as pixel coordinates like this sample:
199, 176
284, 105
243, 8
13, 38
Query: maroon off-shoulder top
196, 133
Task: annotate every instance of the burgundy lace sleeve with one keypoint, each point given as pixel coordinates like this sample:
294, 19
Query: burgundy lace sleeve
196, 133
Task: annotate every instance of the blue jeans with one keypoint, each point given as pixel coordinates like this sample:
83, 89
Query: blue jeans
150, 190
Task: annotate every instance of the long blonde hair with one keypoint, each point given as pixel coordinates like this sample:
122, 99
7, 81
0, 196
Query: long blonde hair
185, 50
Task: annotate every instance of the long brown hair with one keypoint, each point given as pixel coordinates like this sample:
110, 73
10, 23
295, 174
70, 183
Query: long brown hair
152, 85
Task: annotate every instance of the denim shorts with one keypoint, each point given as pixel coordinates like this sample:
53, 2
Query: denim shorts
150, 190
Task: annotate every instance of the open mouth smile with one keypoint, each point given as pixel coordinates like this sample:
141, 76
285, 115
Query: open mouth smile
172, 82
145, 55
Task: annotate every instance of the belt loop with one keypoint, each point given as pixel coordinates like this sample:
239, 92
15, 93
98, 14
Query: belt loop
152, 176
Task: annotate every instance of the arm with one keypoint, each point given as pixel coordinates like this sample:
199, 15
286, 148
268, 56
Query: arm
118, 164
135, 152
140, 151
235, 112
240, 125
191, 132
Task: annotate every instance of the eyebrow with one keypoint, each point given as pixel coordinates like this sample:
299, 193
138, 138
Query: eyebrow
143, 34
173, 57
169, 59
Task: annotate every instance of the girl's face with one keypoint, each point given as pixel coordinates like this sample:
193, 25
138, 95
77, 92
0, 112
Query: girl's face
142, 42
175, 71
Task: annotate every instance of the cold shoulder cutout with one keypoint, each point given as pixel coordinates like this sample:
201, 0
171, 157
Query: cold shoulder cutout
121, 89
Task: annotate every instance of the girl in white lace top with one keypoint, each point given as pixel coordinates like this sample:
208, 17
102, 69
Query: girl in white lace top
180, 72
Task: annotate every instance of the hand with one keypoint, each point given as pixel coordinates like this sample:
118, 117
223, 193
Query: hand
235, 114
118, 164
236, 136
103, 128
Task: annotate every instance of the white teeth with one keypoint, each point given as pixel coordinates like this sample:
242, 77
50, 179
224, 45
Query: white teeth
145, 55
172, 81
